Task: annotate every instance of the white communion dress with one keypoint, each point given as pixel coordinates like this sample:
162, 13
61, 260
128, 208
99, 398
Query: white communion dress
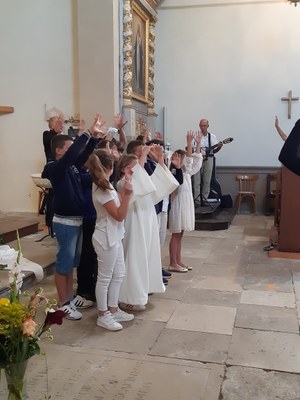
141, 241
182, 213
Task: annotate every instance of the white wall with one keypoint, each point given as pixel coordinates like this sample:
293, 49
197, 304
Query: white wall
230, 63
62, 53
98, 40
35, 69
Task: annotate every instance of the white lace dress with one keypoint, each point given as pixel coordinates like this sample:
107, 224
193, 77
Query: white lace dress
182, 213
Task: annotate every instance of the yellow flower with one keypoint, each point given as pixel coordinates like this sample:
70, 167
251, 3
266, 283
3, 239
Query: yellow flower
29, 327
4, 302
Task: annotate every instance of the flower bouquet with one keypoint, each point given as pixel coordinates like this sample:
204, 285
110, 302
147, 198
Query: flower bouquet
21, 326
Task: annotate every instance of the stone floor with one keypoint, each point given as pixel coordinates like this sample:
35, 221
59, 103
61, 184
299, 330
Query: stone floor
227, 330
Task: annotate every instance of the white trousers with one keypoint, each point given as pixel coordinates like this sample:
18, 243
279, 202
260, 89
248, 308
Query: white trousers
111, 272
162, 219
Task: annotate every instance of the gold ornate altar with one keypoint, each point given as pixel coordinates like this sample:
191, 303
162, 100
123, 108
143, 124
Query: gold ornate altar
139, 18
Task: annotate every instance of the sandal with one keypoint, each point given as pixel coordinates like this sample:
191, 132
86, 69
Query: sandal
186, 266
177, 269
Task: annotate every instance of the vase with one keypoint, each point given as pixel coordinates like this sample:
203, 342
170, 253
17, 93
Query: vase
15, 377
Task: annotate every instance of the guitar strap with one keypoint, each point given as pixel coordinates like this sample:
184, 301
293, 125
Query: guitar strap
208, 154
209, 141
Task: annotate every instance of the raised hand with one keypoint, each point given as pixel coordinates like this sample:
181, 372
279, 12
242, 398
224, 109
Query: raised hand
115, 153
127, 188
176, 160
98, 128
145, 151
159, 136
119, 121
157, 153
197, 136
81, 127
189, 137
148, 136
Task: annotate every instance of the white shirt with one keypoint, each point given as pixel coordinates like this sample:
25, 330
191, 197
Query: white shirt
107, 230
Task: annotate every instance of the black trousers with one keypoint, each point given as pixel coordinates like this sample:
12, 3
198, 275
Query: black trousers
88, 267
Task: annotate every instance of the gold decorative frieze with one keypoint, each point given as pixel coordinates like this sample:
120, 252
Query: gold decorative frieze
127, 52
140, 126
151, 66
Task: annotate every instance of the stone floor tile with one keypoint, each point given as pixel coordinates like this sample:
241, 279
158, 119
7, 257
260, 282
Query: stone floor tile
279, 319
268, 298
298, 308
226, 284
273, 283
297, 290
86, 334
222, 258
193, 317
268, 350
94, 375
295, 266
219, 270
190, 345
211, 297
157, 310
278, 268
253, 257
250, 383
176, 288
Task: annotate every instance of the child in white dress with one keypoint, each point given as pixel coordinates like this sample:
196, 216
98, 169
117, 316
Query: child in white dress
111, 210
141, 241
182, 213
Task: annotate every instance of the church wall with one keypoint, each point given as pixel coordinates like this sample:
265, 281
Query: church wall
98, 33
36, 69
54, 53
230, 62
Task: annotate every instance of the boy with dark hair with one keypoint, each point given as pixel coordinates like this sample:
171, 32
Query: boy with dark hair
68, 203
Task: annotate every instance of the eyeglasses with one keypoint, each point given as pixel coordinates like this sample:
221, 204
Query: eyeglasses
203, 126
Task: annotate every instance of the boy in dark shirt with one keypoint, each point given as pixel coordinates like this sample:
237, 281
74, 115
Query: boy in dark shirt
64, 176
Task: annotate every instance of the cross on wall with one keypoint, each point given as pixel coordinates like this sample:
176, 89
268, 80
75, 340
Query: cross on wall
289, 99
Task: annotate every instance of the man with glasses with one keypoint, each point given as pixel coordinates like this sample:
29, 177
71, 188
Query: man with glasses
203, 178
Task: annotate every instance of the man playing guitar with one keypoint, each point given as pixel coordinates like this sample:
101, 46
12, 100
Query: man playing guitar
209, 146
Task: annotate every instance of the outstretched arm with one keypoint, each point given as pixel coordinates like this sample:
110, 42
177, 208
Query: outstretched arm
197, 138
189, 141
279, 130
119, 124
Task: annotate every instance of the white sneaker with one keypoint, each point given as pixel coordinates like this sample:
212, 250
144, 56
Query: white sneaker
133, 307
81, 302
122, 316
71, 312
107, 321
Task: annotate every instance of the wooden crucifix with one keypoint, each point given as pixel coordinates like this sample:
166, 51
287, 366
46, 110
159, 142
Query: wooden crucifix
289, 99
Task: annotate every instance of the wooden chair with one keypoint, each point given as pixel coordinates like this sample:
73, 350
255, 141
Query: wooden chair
247, 185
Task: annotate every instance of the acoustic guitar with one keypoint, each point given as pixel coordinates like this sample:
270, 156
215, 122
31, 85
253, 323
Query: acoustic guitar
209, 151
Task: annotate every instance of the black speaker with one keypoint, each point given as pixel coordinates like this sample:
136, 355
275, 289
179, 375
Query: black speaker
226, 201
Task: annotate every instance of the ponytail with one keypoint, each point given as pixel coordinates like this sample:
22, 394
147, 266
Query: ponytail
98, 163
